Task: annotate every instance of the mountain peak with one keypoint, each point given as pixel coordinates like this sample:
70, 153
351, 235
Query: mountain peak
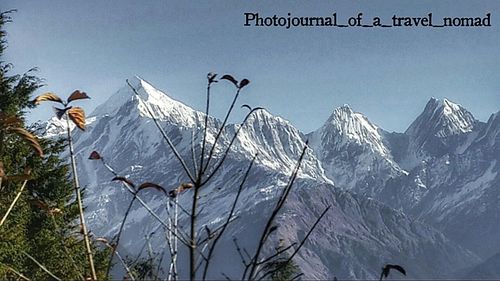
345, 126
442, 118
349, 121
158, 102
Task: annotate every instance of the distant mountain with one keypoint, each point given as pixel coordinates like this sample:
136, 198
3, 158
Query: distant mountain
426, 198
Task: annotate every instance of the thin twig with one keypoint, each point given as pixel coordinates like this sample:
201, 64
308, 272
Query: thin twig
119, 234
302, 242
297, 276
215, 231
279, 252
16, 272
131, 190
79, 200
277, 208
219, 133
41, 266
129, 272
164, 134
13, 203
204, 142
211, 248
238, 249
193, 153
224, 155
225, 276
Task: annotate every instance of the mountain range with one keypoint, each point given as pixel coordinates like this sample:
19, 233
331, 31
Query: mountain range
426, 198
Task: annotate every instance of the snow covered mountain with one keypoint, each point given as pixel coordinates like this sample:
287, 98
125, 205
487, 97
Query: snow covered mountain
353, 152
398, 197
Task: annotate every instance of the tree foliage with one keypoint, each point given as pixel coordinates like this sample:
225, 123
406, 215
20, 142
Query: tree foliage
41, 223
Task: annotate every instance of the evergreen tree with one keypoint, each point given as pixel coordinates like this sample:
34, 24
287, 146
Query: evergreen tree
42, 222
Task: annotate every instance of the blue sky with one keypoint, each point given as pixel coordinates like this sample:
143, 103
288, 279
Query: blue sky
301, 74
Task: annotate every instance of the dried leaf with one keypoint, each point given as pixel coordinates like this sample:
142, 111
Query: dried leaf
244, 82
94, 155
182, 187
152, 185
102, 240
124, 180
387, 268
77, 115
246, 106
28, 137
230, 78
47, 97
77, 95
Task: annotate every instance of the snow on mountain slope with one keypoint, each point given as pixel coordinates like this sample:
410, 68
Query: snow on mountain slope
353, 152
464, 191
440, 120
444, 171
278, 143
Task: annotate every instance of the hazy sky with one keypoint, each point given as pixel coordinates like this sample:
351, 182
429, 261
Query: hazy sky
301, 74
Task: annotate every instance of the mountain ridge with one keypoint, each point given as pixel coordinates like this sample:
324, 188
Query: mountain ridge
348, 151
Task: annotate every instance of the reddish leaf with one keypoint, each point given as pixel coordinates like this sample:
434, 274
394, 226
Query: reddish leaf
246, 106
102, 240
12, 124
387, 268
230, 78
124, 180
95, 156
77, 115
152, 185
184, 186
77, 95
47, 97
244, 82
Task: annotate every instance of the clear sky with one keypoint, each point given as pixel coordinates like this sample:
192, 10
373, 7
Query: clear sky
301, 74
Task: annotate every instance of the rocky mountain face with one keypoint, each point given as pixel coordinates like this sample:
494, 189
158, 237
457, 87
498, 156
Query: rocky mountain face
426, 199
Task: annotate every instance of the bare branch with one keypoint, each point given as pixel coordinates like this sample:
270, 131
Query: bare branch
302, 242
13, 202
131, 190
16, 272
238, 249
219, 133
279, 252
205, 127
219, 164
119, 234
164, 134
228, 220
193, 153
277, 208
